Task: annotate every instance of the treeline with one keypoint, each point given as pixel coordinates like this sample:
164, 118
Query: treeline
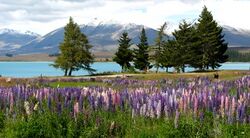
236, 56
199, 45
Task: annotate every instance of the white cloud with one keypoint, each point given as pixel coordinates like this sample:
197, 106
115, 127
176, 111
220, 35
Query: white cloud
43, 16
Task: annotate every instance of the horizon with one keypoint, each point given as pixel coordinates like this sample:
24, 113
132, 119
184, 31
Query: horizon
42, 17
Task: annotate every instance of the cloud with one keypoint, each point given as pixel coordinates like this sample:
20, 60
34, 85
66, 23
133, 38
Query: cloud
191, 1
43, 16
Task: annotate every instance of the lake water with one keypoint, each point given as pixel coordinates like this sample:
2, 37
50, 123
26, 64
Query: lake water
33, 69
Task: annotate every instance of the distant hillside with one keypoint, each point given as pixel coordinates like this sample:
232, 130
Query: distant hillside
237, 37
10, 40
103, 36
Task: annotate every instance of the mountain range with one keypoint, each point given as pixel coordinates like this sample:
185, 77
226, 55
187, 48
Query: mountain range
103, 37
11, 40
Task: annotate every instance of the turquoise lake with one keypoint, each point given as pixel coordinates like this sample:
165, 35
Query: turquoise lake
33, 69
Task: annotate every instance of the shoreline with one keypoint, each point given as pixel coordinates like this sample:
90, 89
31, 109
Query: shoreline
117, 74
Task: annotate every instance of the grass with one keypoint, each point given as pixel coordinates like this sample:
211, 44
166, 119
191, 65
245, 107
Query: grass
116, 124
223, 75
76, 84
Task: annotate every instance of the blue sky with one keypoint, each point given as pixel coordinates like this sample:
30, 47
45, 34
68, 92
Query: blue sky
43, 16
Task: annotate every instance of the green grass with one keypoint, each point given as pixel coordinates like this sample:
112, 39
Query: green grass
116, 124
223, 75
76, 84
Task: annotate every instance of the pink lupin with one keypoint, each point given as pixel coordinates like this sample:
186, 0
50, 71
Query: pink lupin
11, 101
204, 99
195, 105
177, 114
185, 104
76, 109
222, 105
117, 98
226, 104
158, 109
233, 105
181, 104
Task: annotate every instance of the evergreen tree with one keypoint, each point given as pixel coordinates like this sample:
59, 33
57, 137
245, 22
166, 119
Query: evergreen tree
186, 47
159, 41
168, 54
124, 55
141, 55
212, 43
83, 56
74, 49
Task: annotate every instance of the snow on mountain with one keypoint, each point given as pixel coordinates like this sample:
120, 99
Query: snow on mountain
236, 37
103, 35
12, 31
10, 39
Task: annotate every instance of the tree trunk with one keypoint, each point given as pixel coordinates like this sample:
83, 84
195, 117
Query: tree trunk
157, 69
122, 68
146, 69
183, 69
166, 69
70, 72
65, 72
178, 70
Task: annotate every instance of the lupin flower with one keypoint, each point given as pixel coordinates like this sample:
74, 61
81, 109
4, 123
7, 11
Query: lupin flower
76, 109
158, 109
177, 114
152, 114
233, 105
36, 106
195, 105
133, 113
226, 104
27, 107
222, 106
190, 97
11, 102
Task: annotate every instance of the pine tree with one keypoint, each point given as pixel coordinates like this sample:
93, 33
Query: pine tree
124, 55
83, 56
187, 46
159, 41
141, 55
74, 50
212, 43
168, 54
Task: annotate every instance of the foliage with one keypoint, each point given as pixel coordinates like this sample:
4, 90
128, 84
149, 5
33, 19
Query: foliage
75, 51
200, 45
124, 55
141, 55
185, 47
212, 41
159, 41
236, 56
8, 55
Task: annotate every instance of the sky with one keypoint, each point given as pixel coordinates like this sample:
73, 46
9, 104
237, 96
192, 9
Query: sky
44, 16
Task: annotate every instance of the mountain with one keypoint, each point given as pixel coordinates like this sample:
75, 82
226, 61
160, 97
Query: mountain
236, 37
10, 40
102, 36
